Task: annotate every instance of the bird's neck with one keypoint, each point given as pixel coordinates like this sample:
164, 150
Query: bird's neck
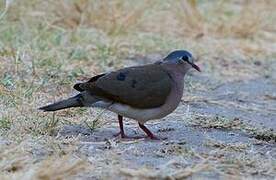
177, 74
175, 70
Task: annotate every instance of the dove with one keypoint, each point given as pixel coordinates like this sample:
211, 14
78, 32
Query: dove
142, 93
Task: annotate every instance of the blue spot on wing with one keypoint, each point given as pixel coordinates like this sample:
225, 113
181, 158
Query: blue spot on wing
121, 76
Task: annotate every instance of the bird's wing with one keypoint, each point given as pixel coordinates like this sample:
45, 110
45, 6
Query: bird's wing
93, 79
140, 87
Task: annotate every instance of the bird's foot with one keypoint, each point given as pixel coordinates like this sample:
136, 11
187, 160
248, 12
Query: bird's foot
154, 137
148, 132
124, 136
120, 134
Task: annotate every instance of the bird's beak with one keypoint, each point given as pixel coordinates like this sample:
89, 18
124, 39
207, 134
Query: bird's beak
196, 67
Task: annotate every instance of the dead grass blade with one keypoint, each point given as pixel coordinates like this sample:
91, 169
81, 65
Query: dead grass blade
113, 17
59, 168
189, 17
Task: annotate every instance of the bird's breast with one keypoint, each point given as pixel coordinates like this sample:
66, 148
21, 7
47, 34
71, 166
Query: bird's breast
143, 115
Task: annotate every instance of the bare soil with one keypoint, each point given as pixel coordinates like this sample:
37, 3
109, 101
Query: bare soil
220, 128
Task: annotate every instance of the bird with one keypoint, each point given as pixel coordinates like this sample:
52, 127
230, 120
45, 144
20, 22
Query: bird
142, 93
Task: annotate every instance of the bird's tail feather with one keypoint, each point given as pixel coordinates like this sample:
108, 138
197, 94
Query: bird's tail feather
63, 104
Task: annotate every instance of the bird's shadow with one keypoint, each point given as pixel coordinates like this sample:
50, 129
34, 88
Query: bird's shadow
96, 135
106, 133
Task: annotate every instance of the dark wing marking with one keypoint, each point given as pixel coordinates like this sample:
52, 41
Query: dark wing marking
141, 87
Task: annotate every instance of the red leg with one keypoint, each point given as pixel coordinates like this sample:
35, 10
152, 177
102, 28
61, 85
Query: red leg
122, 132
121, 125
147, 131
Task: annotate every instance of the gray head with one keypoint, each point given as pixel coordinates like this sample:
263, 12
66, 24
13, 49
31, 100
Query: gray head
181, 57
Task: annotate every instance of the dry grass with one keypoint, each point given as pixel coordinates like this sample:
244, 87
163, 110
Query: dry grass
243, 19
40, 158
152, 174
46, 46
113, 17
227, 161
233, 124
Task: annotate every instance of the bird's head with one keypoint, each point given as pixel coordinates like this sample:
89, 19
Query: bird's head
182, 58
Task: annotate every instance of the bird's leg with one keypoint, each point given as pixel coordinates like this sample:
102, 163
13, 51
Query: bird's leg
122, 132
147, 131
121, 125
143, 127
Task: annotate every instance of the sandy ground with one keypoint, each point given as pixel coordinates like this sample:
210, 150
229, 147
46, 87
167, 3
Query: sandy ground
220, 129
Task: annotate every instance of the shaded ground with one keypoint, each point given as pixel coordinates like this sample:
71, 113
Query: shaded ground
219, 130
253, 101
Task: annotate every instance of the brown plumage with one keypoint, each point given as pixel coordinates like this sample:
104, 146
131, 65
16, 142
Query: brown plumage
139, 87
142, 93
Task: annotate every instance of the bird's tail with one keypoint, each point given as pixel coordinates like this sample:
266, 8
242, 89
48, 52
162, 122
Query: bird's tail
63, 104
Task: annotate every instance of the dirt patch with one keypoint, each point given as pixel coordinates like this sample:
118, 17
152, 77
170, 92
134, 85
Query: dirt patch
221, 129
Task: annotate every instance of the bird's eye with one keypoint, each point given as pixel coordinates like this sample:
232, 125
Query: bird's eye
185, 58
